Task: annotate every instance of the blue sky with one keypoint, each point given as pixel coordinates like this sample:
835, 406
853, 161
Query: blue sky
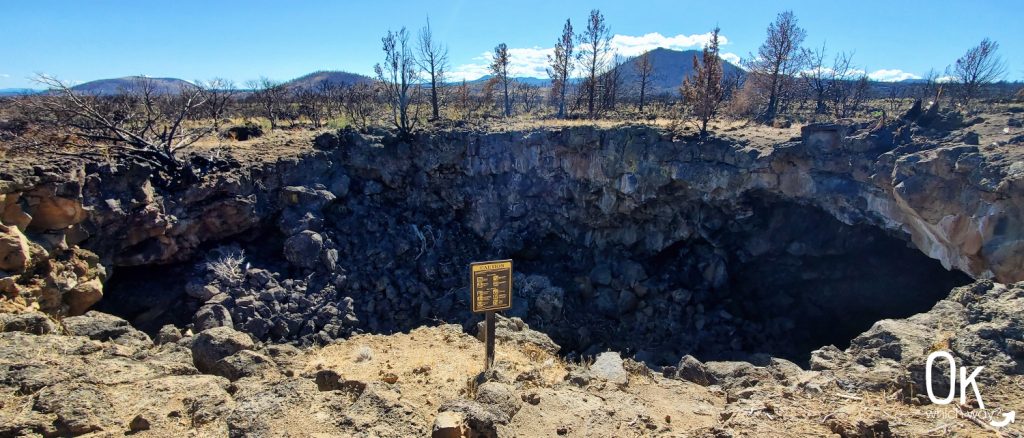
85, 40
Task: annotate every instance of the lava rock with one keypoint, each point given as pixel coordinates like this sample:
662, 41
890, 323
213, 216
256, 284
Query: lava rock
211, 316
105, 327
32, 322
168, 334
482, 420
80, 408
693, 370
517, 331
449, 424
303, 249
215, 344
608, 366
245, 363
499, 395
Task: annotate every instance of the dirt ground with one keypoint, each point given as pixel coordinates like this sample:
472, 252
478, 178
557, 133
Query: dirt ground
434, 364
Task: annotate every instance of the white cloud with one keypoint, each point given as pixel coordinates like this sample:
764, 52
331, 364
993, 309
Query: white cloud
944, 79
522, 62
533, 61
628, 45
4, 75
731, 57
891, 75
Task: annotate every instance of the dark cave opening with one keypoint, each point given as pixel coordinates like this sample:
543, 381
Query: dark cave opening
149, 296
779, 279
761, 277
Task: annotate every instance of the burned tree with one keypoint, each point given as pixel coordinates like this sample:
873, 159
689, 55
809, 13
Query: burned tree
529, 95
703, 90
499, 68
433, 60
358, 101
644, 69
561, 67
847, 86
312, 103
611, 85
816, 79
977, 68
778, 59
219, 94
270, 97
595, 44
397, 77
141, 121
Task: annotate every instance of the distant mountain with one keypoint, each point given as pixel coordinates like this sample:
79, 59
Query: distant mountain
543, 82
670, 67
17, 91
314, 79
119, 85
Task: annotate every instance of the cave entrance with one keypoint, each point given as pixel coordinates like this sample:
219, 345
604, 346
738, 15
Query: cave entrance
771, 278
732, 281
148, 296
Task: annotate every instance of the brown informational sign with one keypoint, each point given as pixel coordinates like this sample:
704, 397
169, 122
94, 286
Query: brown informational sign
491, 285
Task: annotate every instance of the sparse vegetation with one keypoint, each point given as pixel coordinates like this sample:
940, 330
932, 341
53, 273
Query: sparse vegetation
703, 91
587, 79
227, 264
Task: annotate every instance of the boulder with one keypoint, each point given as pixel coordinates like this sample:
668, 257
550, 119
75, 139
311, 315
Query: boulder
14, 250
53, 212
31, 322
83, 296
211, 316
243, 132
500, 396
100, 326
303, 249
215, 344
693, 370
517, 331
80, 408
168, 334
608, 366
481, 420
245, 363
449, 424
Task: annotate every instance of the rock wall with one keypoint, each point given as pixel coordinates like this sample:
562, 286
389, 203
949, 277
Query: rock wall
386, 227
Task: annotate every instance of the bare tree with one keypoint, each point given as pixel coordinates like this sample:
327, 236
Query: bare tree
930, 87
644, 69
816, 79
397, 77
432, 59
311, 104
611, 84
269, 96
529, 95
595, 44
977, 68
499, 67
464, 100
777, 60
219, 95
847, 86
894, 97
142, 120
331, 95
359, 103
561, 67
703, 90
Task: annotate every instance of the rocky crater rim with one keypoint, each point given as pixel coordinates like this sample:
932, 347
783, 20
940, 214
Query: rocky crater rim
669, 245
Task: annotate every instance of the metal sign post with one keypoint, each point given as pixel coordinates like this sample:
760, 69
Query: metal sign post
491, 290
